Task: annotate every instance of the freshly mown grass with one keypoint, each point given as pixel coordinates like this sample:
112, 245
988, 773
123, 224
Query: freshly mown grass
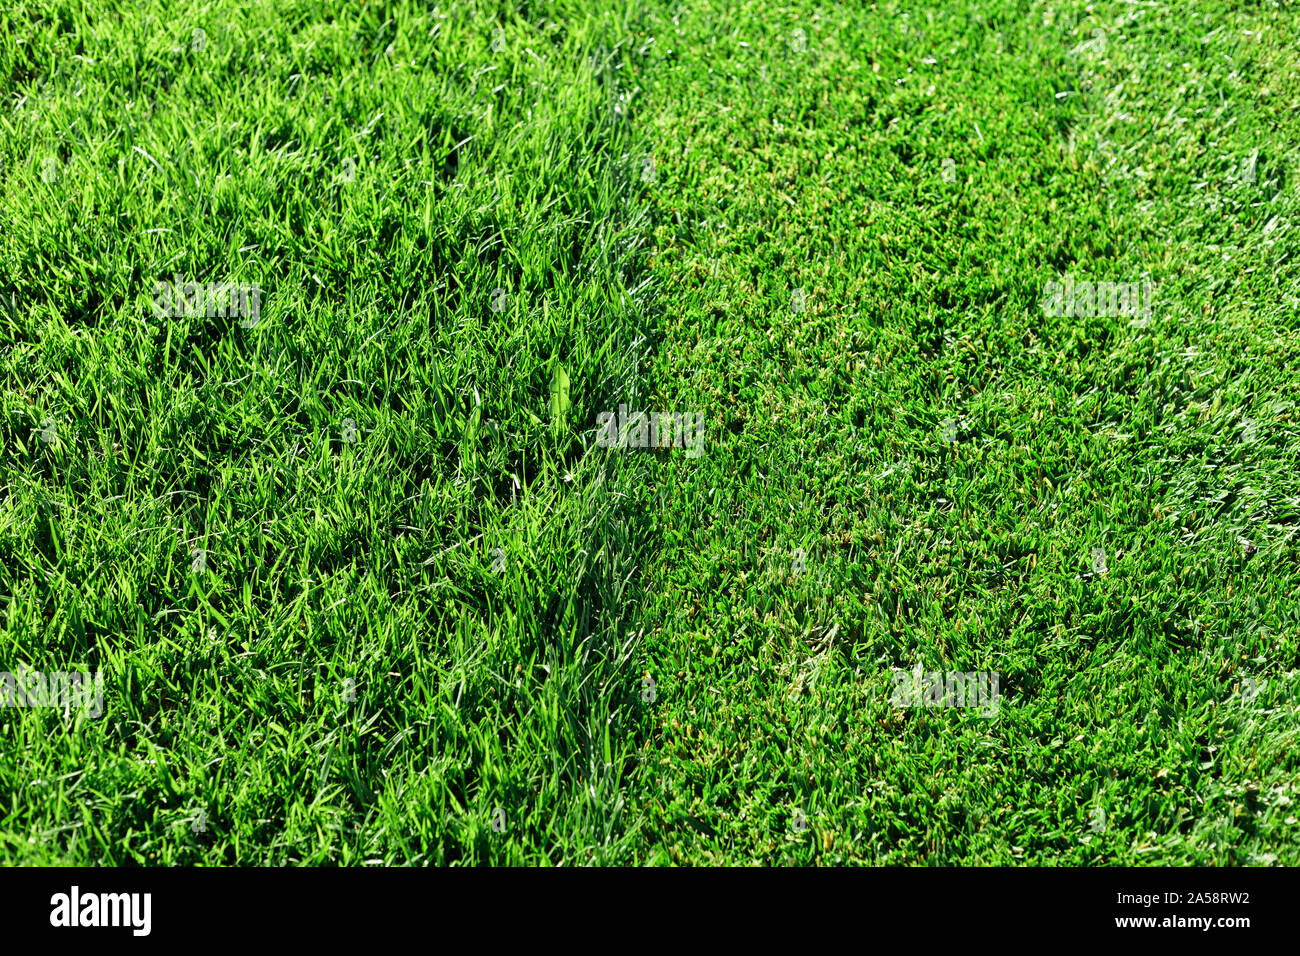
358, 577
918, 466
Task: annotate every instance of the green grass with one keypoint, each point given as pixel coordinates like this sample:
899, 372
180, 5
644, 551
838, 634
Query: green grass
947, 457
327, 561
458, 608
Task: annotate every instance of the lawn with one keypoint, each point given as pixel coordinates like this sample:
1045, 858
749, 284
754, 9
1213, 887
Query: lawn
365, 581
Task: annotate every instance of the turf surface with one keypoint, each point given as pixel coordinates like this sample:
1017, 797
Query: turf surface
365, 589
